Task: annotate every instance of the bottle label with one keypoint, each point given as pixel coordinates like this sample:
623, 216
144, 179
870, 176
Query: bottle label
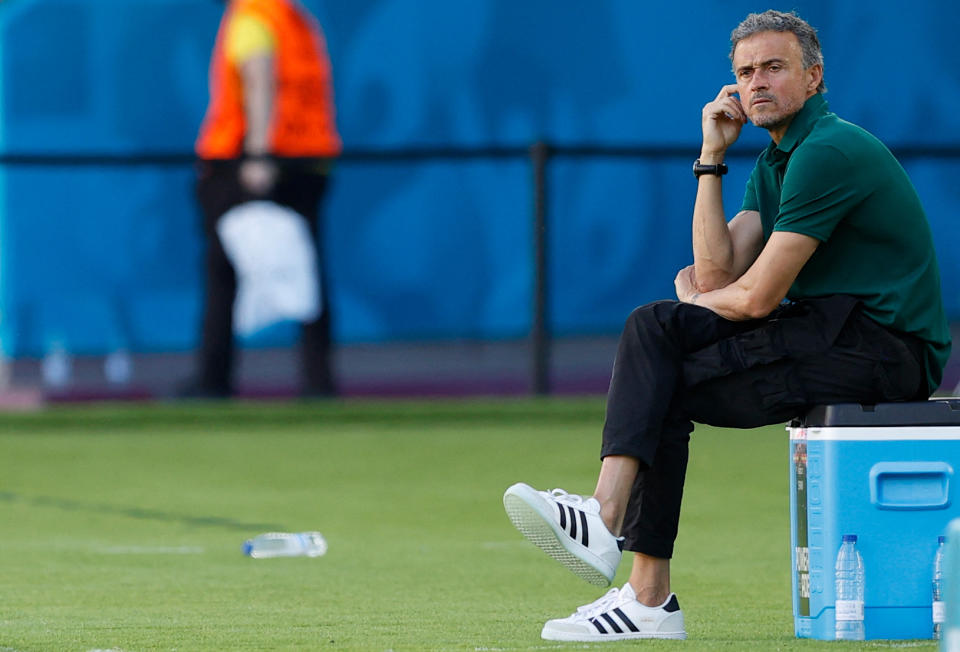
951, 639
849, 609
939, 611
802, 552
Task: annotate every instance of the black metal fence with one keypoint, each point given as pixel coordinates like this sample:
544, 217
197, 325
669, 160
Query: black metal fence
539, 155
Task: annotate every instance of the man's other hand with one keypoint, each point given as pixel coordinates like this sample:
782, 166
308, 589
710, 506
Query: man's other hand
722, 120
258, 176
686, 284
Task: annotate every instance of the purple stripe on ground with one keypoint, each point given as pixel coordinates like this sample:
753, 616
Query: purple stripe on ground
405, 388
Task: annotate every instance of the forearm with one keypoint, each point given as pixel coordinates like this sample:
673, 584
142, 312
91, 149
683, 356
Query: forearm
757, 292
732, 302
259, 81
716, 259
713, 248
258, 175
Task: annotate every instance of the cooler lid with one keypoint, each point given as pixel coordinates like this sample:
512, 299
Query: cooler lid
935, 412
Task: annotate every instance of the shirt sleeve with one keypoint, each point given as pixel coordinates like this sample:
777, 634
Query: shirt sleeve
820, 187
750, 202
248, 37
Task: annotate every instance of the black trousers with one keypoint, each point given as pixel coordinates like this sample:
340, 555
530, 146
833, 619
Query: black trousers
219, 190
678, 363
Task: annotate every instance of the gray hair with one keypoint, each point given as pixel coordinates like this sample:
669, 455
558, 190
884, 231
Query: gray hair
778, 21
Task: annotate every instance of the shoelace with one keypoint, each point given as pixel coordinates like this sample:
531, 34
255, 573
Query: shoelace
597, 607
562, 496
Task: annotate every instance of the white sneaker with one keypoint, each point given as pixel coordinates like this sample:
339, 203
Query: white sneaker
618, 616
568, 528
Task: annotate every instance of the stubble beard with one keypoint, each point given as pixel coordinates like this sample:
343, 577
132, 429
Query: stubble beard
775, 119
771, 122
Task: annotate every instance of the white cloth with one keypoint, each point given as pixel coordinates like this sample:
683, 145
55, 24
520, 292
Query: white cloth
275, 260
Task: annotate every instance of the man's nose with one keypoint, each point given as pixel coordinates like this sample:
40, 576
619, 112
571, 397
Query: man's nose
758, 80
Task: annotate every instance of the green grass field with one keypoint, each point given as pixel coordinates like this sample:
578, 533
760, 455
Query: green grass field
122, 526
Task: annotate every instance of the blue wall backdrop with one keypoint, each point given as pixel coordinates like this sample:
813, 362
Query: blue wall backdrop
99, 257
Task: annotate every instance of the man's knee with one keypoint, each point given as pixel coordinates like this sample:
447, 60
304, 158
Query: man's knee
659, 312
684, 326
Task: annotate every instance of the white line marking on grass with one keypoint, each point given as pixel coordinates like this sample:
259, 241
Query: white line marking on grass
150, 550
555, 646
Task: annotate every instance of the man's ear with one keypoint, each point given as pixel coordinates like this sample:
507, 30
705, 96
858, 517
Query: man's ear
816, 76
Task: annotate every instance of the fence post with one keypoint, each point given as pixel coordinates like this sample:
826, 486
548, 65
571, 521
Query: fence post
539, 329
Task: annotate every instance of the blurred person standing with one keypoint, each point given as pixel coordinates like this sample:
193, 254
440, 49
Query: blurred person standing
269, 134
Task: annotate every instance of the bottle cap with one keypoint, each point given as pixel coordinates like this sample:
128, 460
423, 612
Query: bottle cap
941, 539
851, 538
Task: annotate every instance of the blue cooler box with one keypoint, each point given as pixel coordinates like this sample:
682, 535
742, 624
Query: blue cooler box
885, 473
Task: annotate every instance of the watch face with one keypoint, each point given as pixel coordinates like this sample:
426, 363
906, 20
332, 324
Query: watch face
699, 169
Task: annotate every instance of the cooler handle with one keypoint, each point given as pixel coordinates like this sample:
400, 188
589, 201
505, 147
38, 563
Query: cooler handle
910, 485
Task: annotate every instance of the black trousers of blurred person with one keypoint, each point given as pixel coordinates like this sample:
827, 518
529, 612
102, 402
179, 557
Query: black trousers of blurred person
301, 188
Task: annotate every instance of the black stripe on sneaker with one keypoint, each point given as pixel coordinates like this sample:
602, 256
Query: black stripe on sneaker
612, 622
563, 517
583, 523
573, 522
596, 623
626, 621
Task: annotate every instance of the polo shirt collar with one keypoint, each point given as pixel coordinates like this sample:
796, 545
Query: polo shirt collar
802, 124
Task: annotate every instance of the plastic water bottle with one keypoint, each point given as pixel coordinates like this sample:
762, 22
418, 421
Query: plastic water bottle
285, 544
849, 605
118, 367
57, 366
939, 612
950, 641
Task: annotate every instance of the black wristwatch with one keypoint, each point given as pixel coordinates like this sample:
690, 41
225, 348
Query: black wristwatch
699, 169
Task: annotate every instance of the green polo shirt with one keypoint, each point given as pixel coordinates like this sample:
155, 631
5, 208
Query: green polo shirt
831, 180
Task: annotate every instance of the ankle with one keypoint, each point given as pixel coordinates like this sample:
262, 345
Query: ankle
651, 596
611, 516
650, 579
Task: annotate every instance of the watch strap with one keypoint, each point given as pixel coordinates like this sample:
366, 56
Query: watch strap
700, 169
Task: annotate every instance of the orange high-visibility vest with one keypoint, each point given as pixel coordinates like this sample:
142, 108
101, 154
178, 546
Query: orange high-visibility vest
303, 111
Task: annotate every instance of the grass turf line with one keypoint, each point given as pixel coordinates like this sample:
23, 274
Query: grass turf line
122, 528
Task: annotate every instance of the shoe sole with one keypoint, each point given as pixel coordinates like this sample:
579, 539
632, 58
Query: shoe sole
593, 638
534, 518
